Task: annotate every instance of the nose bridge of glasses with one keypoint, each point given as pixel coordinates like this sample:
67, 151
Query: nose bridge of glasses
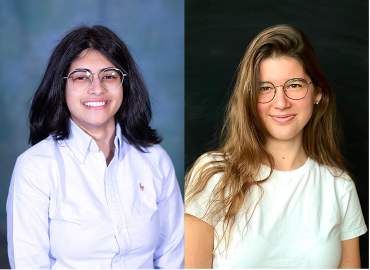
283, 87
96, 73
280, 95
99, 77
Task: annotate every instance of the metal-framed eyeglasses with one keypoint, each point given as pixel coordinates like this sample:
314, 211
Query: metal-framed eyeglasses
81, 79
295, 89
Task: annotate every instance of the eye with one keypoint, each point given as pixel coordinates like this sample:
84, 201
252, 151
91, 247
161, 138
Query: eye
108, 77
265, 88
80, 78
295, 84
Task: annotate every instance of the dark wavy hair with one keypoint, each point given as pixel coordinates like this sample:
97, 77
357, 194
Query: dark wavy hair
49, 114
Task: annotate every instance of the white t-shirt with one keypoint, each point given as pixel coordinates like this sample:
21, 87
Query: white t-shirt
299, 223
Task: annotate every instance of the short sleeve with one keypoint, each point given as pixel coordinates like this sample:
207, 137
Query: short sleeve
353, 224
200, 203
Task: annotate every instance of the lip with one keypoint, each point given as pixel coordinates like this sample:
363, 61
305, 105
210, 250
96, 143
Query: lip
107, 102
283, 118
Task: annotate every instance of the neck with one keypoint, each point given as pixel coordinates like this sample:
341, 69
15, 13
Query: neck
288, 155
104, 138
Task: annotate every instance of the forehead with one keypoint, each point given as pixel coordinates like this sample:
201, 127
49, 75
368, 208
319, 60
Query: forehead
278, 70
92, 60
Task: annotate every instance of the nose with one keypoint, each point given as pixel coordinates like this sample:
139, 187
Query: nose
280, 101
96, 87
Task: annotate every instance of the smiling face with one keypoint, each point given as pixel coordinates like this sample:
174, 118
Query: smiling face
285, 118
95, 107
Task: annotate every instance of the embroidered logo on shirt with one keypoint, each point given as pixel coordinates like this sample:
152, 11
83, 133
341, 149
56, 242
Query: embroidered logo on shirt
141, 187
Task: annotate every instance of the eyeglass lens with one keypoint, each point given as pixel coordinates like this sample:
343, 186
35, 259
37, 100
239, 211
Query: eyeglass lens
110, 79
294, 89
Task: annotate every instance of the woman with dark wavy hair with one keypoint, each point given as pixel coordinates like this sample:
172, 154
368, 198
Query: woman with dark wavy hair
95, 190
276, 194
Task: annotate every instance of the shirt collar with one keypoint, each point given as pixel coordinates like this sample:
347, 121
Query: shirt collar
81, 143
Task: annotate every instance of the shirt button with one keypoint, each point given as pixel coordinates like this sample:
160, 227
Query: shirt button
118, 259
119, 229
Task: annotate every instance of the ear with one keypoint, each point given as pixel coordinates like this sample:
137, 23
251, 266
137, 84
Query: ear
318, 94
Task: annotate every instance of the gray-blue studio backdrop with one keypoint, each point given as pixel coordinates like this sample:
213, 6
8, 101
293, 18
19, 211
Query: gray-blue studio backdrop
29, 30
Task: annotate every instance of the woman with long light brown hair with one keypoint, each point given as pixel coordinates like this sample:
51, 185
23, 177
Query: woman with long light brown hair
276, 193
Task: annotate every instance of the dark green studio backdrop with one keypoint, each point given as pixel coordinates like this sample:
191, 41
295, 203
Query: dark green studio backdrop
29, 30
217, 33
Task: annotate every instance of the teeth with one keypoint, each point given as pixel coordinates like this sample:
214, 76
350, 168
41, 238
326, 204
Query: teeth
95, 104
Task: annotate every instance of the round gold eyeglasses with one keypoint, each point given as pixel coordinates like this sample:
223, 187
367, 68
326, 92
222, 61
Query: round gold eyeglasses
81, 79
295, 89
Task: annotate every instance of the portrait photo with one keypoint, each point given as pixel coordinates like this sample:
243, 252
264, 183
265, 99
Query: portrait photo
36, 40
221, 42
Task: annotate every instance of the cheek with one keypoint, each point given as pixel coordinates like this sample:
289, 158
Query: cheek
262, 110
306, 110
68, 98
119, 98
72, 99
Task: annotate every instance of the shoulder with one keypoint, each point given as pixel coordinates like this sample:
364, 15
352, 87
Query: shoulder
212, 156
39, 162
33, 167
156, 154
208, 160
202, 185
341, 181
203, 169
154, 158
346, 201
39, 154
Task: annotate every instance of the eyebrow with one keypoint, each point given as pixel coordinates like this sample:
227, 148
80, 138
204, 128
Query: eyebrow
290, 80
90, 70
266, 82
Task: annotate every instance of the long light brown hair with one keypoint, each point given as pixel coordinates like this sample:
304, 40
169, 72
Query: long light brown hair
243, 138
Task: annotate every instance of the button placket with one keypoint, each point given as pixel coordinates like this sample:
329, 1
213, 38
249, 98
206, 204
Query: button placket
118, 262
117, 214
97, 173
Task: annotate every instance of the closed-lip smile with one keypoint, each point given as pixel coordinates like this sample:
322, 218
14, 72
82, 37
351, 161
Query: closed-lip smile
282, 118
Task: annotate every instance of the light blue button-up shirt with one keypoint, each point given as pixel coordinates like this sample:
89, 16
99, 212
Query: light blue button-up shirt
67, 209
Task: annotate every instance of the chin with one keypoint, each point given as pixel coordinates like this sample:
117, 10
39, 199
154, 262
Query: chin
98, 123
282, 139
91, 122
284, 136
